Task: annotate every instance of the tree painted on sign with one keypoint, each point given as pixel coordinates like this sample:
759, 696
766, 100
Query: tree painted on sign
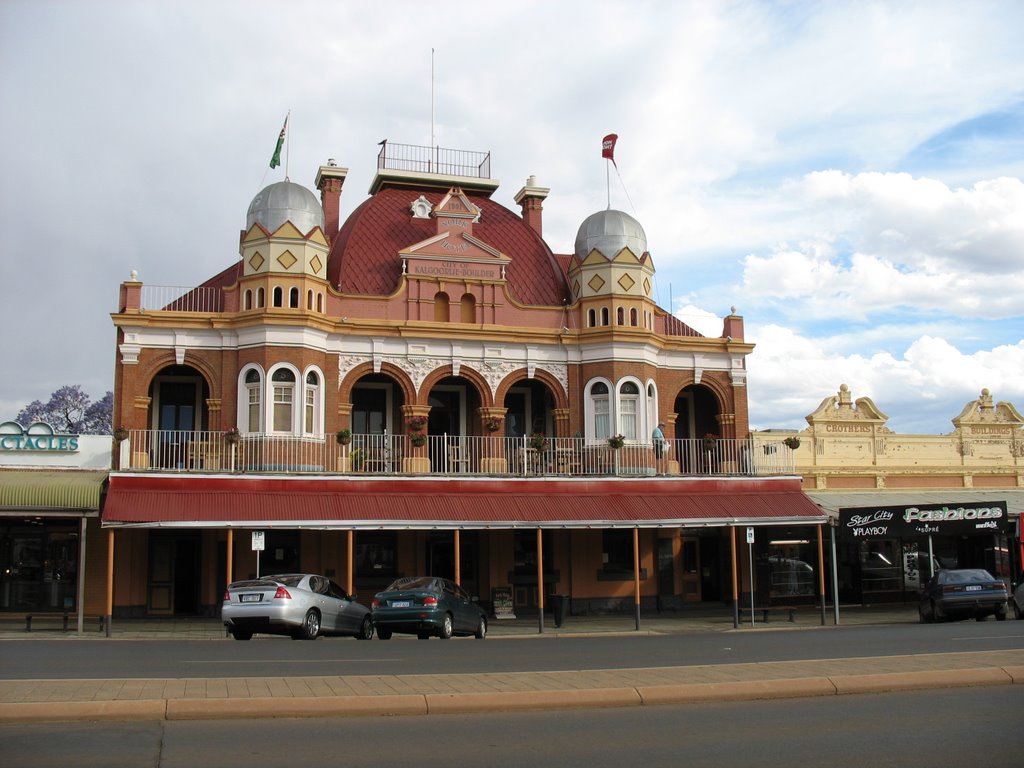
70, 411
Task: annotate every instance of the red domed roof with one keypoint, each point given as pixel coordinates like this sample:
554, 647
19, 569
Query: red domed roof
364, 256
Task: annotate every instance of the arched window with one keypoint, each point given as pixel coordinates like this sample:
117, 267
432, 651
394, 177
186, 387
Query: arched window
604, 315
629, 409
633, 318
620, 316
319, 302
652, 408
601, 405
248, 299
278, 296
441, 309
467, 308
283, 381
293, 298
261, 298
591, 318
311, 404
253, 401
309, 299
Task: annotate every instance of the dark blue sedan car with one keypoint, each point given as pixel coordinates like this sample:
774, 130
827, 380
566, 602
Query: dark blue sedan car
962, 594
426, 606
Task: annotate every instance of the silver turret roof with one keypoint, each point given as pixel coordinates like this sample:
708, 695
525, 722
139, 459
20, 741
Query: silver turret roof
609, 232
285, 201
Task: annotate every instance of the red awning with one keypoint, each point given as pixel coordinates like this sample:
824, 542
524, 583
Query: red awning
425, 503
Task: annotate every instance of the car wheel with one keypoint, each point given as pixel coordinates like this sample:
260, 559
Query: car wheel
365, 630
481, 629
311, 625
383, 634
241, 634
446, 628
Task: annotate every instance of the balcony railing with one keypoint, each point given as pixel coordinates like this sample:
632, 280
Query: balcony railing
173, 298
206, 452
438, 160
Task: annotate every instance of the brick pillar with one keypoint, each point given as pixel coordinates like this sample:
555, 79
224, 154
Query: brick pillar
531, 199
329, 180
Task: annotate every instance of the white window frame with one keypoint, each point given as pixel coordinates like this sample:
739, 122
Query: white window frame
629, 406
317, 403
590, 411
244, 391
270, 401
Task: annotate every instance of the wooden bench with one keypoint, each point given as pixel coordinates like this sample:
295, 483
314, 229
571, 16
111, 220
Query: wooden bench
64, 617
764, 610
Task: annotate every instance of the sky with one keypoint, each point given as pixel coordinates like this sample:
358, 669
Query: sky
847, 175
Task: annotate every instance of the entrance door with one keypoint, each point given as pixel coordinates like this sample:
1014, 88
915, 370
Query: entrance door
441, 555
176, 420
174, 564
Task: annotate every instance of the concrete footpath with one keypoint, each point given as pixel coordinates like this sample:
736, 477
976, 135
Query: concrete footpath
355, 695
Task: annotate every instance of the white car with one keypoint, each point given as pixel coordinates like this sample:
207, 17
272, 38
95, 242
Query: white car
300, 605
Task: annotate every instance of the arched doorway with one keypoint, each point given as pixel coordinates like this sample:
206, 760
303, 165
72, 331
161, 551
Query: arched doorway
177, 411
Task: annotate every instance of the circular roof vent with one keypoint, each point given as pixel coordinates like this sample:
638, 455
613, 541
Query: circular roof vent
285, 201
609, 232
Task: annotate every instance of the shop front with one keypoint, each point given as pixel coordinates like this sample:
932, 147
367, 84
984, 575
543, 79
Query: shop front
887, 552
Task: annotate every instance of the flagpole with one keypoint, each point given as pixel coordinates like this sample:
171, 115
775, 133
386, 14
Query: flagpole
433, 140
287, 145
608, 183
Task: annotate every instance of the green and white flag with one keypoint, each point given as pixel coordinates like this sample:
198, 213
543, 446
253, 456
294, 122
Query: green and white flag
276, 159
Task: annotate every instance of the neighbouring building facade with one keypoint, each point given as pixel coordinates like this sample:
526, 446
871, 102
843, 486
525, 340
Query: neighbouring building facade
902, 504
426, 388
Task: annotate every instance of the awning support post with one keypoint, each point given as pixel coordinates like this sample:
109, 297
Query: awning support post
80, 598
821, 573
110, 583
540, 582
735, 580
835, 576
636, 576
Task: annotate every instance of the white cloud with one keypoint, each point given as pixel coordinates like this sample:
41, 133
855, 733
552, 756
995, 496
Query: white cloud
921, 390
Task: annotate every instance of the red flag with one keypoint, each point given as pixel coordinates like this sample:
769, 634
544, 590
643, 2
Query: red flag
608, 147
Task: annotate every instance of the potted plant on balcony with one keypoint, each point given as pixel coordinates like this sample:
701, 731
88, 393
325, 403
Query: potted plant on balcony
710, 441
492, 424
344, 436
416, 423
417, 438
792, 442
616, 441
538, 441
121, 433
232, 436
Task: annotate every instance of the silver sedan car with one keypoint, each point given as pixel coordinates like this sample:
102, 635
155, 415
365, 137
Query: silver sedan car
300, 605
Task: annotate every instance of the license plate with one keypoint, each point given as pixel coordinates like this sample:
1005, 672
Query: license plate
252, 598
399, 603
973, 588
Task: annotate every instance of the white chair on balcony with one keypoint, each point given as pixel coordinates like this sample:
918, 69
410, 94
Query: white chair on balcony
458, 459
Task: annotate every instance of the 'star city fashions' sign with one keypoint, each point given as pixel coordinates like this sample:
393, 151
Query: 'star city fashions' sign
908, 521
38, 437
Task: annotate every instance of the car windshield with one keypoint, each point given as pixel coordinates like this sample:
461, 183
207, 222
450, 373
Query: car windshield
411, 582
966, 576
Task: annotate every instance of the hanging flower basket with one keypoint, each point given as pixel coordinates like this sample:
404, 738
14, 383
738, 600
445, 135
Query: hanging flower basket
416, 423
344, 437
616, 441
121, 434
417, 439
492, 425
538, 441
710, 441
792, 442
232, 436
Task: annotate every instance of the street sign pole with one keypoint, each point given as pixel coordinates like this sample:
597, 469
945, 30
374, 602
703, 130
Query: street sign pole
750, 558
258, 542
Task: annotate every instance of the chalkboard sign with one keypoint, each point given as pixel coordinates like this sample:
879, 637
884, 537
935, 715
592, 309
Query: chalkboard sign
501, 598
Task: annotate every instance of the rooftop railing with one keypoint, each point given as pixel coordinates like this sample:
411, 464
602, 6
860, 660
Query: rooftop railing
439, 160
446, 455
172, 298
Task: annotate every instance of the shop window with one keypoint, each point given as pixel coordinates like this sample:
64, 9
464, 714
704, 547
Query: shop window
789, 568
375, 553
617, 556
